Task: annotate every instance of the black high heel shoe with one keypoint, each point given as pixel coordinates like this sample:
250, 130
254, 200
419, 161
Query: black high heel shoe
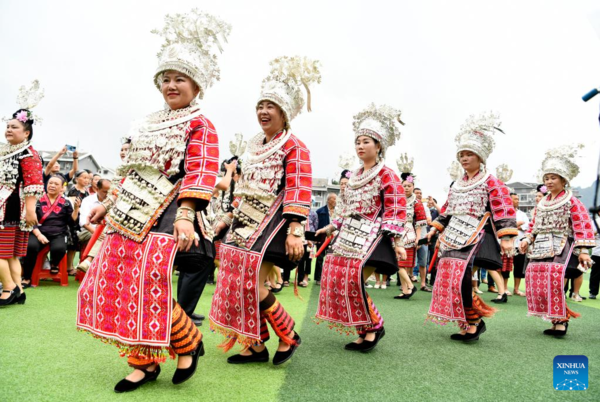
20, 300
127, 386
368, 346
559, 333
354, 345
474, 337
255, 357
14, 294
282, 357
502, 299
182, 375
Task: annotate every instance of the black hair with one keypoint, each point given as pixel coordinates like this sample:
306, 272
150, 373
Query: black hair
511, 194
344, 173
238, 168
434, 200
77, 174
28, 125
539, 189
417, 188
100, 183
404, 176
58, 176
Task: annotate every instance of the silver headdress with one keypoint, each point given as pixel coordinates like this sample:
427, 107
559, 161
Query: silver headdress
455, 171
379, 123
476, 135
504, 173
189, 45
347, 161
405, 164
28, 98
237, 147
282, 85
561, 161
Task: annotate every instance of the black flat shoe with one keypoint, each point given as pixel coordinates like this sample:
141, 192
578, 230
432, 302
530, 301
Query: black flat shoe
277, 290
457, 337
54, 271
354, 345
502, 299
282, 357
128, 386
255, 357
412, 292
560, 333
26, 285
14, 294
403, 296
197, 317
196, 322
474, 337
368, 346
182, 375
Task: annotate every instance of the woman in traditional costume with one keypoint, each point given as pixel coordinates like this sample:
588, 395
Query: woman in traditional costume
372, 213
168, 175
416, 220
21, 185
272, 202
479, 209
558, 243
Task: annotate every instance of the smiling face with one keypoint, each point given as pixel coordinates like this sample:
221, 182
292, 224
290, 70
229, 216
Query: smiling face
367, 148
270, 117
554, 183
15, 132
469, 161
178, 89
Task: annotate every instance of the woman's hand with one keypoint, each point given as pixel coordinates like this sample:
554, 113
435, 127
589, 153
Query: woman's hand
184, 234
507, 246
219, 227
400, 253
230, 167
523, 247
30, 217
97, 214
294, 248
42, 239
430, 234
585, 260
322, 230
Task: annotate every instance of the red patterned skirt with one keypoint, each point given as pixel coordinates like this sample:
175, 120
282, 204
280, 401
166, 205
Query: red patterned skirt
411, 258
13, 242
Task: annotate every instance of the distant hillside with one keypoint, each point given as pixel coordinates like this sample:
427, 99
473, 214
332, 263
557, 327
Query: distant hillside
586, 194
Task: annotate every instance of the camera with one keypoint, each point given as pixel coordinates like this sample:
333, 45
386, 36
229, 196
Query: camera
238, 169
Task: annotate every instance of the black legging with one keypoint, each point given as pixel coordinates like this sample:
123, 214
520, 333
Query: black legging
58, 249
193, 274
304, 265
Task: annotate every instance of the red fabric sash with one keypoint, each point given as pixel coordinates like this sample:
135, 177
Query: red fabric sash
126, 295
48, 208
234, 311
341, 298
447, 302
545, 290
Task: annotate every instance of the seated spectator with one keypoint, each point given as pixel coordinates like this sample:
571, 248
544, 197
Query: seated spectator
78, 191
54, 212
53, 167
87, 228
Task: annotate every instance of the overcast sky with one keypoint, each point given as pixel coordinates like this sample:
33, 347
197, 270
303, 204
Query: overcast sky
437, 61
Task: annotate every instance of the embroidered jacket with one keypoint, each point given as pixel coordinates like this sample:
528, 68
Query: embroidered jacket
579, 225
496, 199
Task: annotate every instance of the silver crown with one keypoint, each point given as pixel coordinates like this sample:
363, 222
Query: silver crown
237, 147
379, 123
405, 164
189, 47
347, 161
282, 85
28, 98
455, 171
561, 161
475, 135
504, 173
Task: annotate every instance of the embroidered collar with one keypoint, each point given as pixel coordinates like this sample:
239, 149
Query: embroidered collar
466, 184
7, 150
359, 179
259, 151
546, 204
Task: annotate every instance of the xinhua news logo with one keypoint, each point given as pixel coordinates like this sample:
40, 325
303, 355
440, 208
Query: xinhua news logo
571, 373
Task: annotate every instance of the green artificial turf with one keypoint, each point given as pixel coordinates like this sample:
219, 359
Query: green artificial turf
44, 358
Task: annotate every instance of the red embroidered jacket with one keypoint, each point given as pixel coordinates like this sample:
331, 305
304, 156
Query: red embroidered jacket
420, 217
201, 161
501, 206
298, 179
581, 224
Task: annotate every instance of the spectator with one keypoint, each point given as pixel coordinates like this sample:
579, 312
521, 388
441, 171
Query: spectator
324, 215
94, 185
519, 261
87, 228
53, 167
54, 213
78, 191
423, 250
306, 261
434, 210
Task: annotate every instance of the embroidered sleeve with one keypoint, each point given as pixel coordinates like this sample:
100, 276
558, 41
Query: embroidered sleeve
583, 228
503, 211
298, 180
33, 182
394, 203
201, 161
420, 215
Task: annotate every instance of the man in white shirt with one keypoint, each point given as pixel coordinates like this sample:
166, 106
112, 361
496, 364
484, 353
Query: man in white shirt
519, 261
88, 203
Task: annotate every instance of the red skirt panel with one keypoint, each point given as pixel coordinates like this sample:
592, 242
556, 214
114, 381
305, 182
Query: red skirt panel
410, 261
13, 242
